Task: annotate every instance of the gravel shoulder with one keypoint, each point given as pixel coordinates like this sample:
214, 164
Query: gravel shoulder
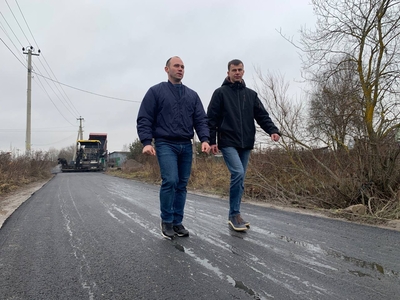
10, 202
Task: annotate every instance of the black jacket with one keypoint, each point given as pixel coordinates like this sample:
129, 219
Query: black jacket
231, 114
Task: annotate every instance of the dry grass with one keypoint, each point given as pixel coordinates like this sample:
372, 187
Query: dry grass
272, 177
20, 171
275, 178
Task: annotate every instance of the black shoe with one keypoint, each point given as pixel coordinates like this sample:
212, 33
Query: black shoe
240, 220
167, 231
236, 224
180, 230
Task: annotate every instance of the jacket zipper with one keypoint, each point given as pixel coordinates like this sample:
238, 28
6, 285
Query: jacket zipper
240, 118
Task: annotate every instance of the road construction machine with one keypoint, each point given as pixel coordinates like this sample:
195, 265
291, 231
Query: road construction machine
90, 155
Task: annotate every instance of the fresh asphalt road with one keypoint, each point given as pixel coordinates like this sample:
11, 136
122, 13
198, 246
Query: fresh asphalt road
93, 236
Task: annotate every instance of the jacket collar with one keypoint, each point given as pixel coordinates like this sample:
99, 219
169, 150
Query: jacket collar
234, 85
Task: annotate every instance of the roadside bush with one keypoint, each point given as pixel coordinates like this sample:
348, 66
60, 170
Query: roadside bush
19, 171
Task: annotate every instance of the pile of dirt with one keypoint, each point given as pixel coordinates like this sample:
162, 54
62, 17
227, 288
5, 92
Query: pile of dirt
131, 165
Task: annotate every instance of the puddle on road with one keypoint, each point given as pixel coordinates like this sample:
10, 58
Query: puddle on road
363, 264
332, 253
178, 246
242, 286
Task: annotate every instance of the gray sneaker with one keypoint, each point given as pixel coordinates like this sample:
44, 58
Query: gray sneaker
236, 224
167, 231
247, 224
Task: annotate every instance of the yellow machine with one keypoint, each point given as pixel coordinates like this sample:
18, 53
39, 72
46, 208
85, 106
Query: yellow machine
90, 155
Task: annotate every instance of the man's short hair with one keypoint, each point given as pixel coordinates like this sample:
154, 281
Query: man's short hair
234, 62
169, 59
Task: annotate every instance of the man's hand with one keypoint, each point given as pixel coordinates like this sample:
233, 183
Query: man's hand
214, 149
275, 137
149, 150
205, 147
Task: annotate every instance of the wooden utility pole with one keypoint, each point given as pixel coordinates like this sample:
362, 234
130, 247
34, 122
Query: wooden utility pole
29, 51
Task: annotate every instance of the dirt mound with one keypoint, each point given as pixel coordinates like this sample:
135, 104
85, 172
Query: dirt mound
131, 165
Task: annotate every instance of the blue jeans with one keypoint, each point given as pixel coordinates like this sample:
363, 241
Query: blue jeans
236, 160
175, 161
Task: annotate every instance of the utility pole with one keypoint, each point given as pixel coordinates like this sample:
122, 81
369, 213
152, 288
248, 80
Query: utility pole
80, 132
80, 136
29, 51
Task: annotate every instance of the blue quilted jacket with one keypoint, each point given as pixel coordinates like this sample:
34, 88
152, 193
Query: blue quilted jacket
164, 114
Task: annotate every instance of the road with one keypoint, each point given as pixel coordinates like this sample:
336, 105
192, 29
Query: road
93, 236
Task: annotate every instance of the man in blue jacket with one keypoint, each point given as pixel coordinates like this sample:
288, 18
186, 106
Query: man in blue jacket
231, 114
167, 116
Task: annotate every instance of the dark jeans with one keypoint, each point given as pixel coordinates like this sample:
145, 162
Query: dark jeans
175, 160
236, 160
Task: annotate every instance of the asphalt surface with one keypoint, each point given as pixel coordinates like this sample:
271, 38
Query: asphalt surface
93, 236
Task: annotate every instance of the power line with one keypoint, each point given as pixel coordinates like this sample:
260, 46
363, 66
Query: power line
11, 28
64, 84
26, 23
37, 130
18, 23
100, 95
69, 102
53, 102
67, 99
12, 52
48, 78
16, 48
68, 138
70, 107
42, 86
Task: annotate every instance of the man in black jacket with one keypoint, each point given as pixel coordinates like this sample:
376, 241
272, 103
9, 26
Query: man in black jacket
168, 114
231, 114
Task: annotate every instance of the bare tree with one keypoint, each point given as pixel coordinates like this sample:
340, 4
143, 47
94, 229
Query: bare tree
335, 112
352, 60
367, 33
67, 152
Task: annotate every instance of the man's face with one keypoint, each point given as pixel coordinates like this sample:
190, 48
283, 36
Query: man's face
236, 73
175, 70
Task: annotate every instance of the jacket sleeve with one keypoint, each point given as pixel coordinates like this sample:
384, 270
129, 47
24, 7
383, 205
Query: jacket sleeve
213, 116
146, 117
200, 121
263, 119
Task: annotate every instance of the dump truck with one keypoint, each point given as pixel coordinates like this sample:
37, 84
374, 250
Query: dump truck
90, 155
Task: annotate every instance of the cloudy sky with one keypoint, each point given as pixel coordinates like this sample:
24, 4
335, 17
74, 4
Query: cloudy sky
106, 54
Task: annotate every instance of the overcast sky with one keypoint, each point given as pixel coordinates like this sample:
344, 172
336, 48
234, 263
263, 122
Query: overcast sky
118, 49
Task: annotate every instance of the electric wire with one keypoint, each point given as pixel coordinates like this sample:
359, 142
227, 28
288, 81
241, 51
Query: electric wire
92, 93
68, 138
12, 52
18, 23
64, 103
15, 46
37, 71
66, 98
74, 110
69, 107
53, 102
39, 81
26, 23
56, 81
10, 28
